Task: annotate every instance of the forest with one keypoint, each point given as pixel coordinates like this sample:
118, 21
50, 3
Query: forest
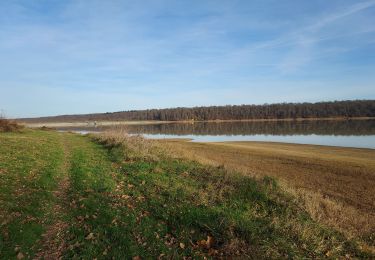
334, 109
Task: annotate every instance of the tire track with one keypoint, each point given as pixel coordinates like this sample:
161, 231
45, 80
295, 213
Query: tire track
54, 239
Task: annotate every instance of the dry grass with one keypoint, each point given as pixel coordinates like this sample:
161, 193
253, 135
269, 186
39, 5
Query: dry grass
335, 185
7, 125
135, 146
236, 159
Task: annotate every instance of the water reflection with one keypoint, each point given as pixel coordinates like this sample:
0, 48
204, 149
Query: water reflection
349, 133
357, 127
323, 127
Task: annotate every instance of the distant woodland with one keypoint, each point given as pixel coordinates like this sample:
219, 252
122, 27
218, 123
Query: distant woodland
341, 109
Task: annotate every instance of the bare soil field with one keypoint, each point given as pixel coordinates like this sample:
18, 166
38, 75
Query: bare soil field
335, 184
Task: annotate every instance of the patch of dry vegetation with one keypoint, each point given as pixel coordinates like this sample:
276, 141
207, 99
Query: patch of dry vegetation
134, 146
335, 185
7, 125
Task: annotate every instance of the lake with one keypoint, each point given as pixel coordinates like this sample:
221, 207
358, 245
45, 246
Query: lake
347, 133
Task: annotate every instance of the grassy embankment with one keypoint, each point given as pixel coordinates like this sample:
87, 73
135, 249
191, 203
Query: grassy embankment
67, 195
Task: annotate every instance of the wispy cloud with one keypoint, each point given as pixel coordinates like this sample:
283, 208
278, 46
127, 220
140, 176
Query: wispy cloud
165, 50
332, 17
304, 40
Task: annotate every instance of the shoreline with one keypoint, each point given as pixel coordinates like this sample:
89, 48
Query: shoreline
267, 143
151, 122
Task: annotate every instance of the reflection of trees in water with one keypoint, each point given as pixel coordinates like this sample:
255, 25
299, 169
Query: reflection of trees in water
350, 127
355, 127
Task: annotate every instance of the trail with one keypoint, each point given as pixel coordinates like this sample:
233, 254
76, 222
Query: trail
53, 241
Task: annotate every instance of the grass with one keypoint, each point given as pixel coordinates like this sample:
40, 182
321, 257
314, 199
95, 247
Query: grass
127, 198
29, 169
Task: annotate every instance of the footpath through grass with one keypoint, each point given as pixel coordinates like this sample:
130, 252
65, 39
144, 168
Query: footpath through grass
30, 166
128, 199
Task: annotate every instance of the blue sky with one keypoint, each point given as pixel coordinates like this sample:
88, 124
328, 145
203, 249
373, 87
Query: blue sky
63, 57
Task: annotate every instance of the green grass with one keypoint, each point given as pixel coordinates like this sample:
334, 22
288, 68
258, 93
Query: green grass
123, 203
29, 170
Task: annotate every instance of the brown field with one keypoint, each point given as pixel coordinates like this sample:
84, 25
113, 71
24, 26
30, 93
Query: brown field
336, 185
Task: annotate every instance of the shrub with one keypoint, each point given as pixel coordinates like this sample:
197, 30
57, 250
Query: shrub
7, 125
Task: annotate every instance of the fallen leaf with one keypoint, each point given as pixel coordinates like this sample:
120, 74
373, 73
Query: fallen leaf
90, 236
212, 252
182, 245
202, 243
210, 242
20, 256
206, 243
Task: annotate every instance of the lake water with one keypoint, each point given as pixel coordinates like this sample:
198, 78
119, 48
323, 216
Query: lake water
347, 133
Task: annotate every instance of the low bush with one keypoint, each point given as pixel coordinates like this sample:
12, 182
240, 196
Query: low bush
7, 125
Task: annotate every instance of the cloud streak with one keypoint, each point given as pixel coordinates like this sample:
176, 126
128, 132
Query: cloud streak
167, 50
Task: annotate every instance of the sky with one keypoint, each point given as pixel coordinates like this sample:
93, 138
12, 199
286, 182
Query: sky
85, 56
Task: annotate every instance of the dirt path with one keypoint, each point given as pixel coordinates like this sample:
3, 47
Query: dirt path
53, 241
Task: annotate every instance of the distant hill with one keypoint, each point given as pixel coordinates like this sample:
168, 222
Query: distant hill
334, 109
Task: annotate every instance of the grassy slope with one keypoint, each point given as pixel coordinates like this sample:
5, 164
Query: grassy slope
124, 203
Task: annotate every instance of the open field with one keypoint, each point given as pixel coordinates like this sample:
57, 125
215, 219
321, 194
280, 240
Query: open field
337, 185
114, 196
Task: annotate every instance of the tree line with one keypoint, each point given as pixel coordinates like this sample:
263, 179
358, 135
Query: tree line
341, 109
